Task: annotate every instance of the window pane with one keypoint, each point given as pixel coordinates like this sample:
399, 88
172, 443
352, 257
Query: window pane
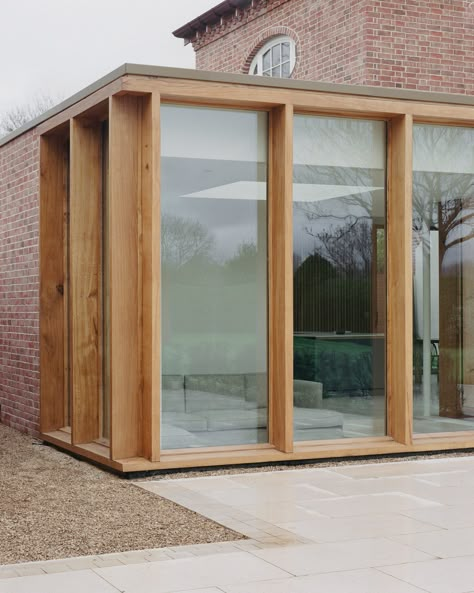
214, 277
267, 63
276, 72
276, 54
339, 278
443, 266
285, 70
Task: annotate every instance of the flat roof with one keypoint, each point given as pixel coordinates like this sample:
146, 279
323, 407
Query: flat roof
210, 17
242, 79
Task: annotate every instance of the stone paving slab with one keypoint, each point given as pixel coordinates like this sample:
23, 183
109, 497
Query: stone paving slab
391, 528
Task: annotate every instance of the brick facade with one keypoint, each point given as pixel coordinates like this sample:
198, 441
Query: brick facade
19, 283
415, 44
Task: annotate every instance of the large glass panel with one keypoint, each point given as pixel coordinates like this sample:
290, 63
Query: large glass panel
443, 278
339, 278
214, 277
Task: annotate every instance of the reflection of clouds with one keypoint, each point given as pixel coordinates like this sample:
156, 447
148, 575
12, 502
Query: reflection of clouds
339, 142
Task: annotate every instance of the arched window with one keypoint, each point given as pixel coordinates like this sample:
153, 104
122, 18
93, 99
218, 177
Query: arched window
276, 58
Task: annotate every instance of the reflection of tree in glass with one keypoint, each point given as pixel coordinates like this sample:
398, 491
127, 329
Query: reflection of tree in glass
333, 276
241, 267
344, 139
183, 239
444, 201
348, 247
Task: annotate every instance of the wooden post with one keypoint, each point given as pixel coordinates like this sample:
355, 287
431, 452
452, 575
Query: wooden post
280, 278
125, 276
400, 282
53, 191
86, 314
151, 222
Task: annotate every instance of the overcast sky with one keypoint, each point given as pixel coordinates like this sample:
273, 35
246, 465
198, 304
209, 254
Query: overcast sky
59, 46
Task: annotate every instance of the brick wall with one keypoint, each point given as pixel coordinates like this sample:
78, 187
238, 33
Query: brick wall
416, 44
19, 283
421, 45
328, 35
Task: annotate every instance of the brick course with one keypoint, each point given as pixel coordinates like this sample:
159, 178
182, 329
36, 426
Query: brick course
415, 44
19, 283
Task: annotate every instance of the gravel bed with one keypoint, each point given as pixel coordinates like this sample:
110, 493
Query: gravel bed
53, 506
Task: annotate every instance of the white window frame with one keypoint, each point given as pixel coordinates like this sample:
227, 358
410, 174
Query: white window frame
256, 67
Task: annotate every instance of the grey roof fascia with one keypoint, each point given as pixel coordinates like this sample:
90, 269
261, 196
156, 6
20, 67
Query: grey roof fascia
243, 79
82, 94
303, 85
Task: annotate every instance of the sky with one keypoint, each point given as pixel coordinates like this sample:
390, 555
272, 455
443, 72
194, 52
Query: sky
57, 47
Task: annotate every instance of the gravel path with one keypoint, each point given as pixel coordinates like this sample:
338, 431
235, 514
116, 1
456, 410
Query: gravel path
54, 506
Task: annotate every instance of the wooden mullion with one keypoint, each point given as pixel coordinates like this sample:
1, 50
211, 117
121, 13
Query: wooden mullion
126, 385
151, 221
280, 272
85, 311
53, 196
400, 291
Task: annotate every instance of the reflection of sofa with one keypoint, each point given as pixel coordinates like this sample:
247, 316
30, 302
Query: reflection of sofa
234, 409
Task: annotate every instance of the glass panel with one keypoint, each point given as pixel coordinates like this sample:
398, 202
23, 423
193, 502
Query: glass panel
276, 72
267, 57
443, 281
285, 70
214, 277
276, 55
285, 51
339, 278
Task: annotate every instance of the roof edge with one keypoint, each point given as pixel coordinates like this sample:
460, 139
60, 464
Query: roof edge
242, 79
82, 94
210, 17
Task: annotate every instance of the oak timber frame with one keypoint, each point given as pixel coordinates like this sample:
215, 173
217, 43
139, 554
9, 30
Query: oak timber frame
131, 105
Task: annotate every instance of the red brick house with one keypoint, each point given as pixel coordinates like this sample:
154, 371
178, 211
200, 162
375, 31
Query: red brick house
135, 390
416, 44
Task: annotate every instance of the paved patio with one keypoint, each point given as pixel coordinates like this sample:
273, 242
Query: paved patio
400, 527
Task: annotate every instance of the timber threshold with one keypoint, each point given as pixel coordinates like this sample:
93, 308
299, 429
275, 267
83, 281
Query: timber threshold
243, 272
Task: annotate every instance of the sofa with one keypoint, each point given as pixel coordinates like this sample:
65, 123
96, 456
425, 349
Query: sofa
200, 410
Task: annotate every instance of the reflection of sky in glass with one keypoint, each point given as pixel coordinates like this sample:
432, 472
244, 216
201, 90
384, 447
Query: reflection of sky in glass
230, 222
443, 189
207, 148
